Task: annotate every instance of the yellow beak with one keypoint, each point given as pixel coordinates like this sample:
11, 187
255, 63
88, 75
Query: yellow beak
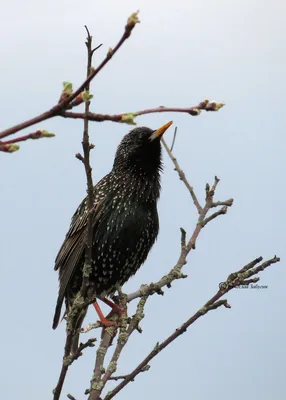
159, 132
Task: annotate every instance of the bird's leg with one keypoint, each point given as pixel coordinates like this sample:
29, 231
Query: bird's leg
105, 322
114, 306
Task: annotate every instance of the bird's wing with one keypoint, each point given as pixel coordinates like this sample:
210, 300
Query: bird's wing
77, 228
73, 247
69, 255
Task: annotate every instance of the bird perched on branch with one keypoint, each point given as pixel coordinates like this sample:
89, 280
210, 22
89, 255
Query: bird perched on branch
125, 223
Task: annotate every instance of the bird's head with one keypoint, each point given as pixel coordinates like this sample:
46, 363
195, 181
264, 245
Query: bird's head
140, 151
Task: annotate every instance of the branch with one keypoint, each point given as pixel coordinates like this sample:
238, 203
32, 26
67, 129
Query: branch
81, 347
91, 327
9, 146
119, 377
79, 301
222, 211
88, 171
128, 118
65, 103
98, 381
181, 174
174, 139
212, 304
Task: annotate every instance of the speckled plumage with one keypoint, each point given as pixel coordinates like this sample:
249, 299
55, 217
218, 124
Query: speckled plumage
125, 221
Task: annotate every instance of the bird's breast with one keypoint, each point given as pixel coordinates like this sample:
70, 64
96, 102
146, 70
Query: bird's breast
122, 241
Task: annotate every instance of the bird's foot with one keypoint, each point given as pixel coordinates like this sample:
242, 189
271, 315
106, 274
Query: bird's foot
104, 320
113, 306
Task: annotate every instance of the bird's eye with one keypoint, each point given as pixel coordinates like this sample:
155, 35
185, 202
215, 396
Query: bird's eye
138, 138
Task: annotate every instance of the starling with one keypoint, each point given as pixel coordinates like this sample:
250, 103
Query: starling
125, 224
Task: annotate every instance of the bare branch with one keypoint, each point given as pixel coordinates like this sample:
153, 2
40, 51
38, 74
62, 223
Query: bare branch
119, 377
96, 383
174, 138
212, 304
182, 176
227, 203
99, 382
242, 276
88, 171
82, 346
91, 327
222, 211
158, 348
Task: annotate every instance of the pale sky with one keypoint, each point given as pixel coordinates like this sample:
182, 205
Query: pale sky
181, 53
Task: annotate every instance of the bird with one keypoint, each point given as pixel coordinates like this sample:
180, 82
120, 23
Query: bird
124, 228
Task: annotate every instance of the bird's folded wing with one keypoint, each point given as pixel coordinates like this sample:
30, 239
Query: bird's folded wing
72, 250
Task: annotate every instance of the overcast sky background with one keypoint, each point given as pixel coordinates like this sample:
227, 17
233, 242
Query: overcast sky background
181, 53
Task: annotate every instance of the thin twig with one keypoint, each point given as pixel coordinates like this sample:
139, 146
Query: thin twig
82, 346
120, 377
182, 176
90, 327
222, 211
228, 203
174, 138
35, 135
236, 278
128, 117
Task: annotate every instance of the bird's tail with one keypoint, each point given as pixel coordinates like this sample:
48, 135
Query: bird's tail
78, 326
57, 314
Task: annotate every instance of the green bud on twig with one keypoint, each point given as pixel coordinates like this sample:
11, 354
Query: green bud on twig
9, 148
67, 88
128, 119
86, 96
133, 19
67, 91
215, 106
196, 111
46, 133
204, 103
83, 97
110, 52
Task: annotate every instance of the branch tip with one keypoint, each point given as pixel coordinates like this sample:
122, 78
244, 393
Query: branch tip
9, 148
133, 20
